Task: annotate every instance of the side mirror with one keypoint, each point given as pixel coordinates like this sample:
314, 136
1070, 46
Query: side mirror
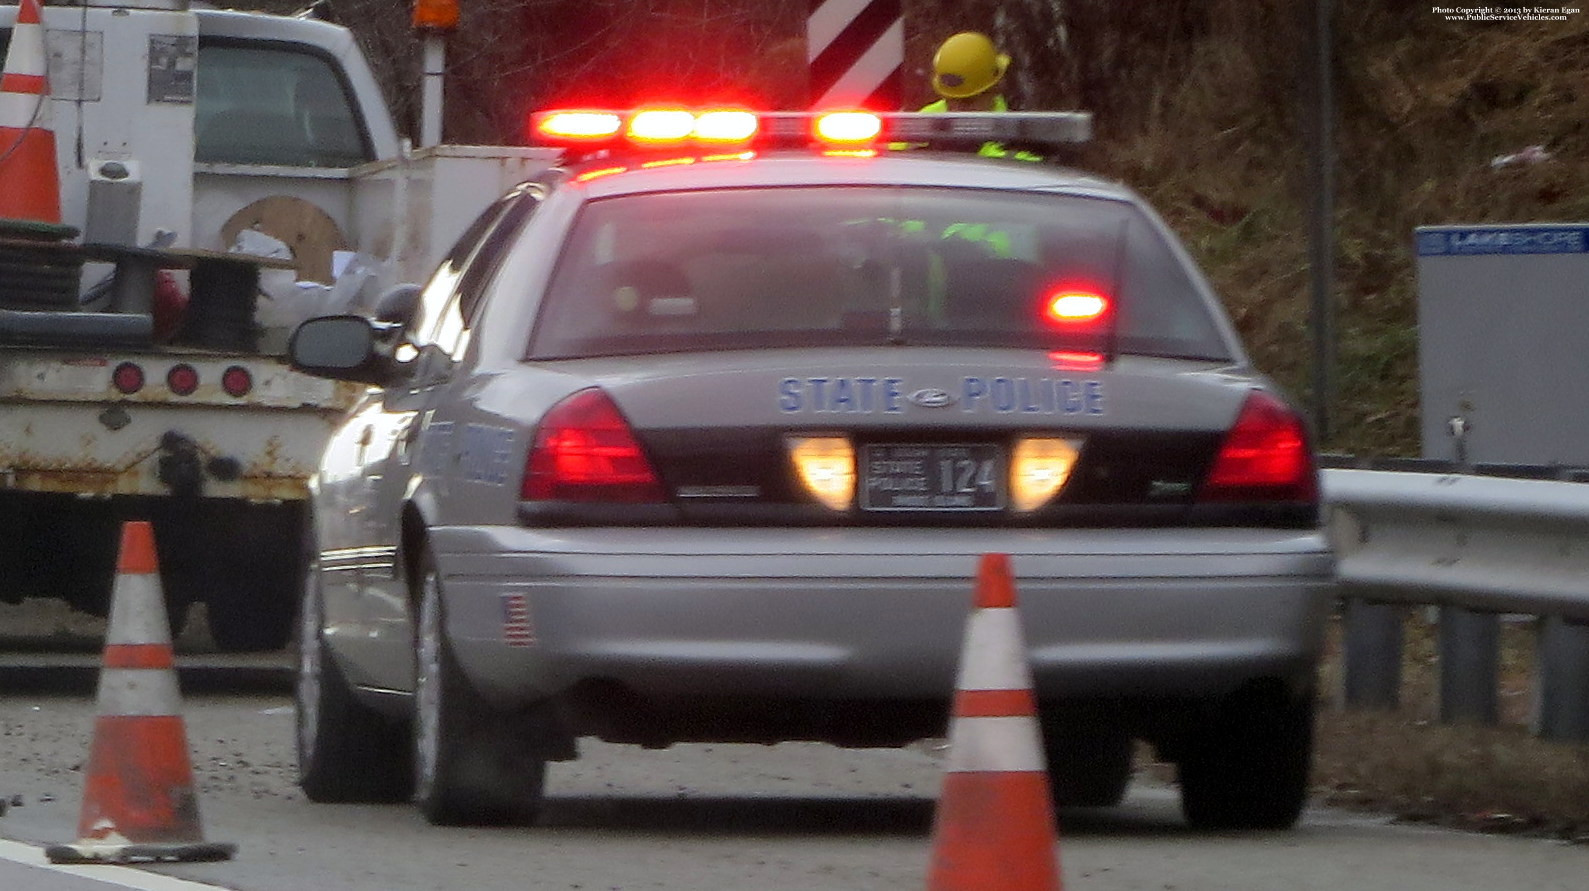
342, 348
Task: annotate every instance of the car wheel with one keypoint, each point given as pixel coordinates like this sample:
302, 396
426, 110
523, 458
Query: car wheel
1249, 770
472, 764
1087, 767
347, 752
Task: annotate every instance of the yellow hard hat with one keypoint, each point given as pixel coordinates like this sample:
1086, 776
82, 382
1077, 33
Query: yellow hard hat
967, 64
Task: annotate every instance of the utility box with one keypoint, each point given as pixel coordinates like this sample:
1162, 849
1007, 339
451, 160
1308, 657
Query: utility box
1503, 322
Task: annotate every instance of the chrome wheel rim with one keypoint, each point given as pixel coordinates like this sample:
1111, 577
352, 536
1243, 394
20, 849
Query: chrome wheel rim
427, 692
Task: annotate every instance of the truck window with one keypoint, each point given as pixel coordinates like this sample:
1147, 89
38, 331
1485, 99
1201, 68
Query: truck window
271, 104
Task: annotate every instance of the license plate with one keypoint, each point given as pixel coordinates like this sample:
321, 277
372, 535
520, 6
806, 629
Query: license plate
932, 477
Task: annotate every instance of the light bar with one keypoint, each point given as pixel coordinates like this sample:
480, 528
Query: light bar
657, 127
1035, 127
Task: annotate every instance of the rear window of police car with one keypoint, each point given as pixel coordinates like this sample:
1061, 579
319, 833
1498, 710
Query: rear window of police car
854, 265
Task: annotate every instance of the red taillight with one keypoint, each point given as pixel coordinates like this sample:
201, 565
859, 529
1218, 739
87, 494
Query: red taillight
127, 378
182, 379
585, 451
1265, 456
236, 381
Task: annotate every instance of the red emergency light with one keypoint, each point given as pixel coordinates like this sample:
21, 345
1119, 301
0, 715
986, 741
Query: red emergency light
719, 128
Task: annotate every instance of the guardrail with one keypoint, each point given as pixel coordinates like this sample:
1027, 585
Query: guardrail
1479, 543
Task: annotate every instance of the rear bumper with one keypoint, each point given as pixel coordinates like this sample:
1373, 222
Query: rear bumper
876, 614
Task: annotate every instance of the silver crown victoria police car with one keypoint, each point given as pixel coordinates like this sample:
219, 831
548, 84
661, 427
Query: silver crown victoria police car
689, 444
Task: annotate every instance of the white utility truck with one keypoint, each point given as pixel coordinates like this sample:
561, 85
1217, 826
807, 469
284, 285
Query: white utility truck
222, 175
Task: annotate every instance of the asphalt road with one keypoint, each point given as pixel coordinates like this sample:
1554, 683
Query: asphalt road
701, 817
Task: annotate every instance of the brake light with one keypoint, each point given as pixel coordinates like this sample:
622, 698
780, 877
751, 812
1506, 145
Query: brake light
1075, 307
585, 451
847, 127
1265, 456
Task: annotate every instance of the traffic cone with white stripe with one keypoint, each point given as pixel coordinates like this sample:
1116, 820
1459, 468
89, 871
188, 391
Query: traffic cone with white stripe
139, 801
994, 828
30, 186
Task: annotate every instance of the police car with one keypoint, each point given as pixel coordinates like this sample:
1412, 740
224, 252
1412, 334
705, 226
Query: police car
700, 436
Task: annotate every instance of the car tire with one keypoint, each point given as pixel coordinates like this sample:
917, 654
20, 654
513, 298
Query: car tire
473, 765
1087, 767
347, 752
1249, 770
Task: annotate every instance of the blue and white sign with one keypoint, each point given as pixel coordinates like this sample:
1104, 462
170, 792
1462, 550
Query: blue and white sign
1476, 240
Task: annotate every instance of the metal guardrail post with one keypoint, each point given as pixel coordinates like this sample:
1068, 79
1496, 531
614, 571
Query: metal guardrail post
1470, 646
1561, 705
1372, 654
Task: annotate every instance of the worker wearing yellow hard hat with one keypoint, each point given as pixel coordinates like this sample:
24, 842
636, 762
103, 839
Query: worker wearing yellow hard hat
965, 71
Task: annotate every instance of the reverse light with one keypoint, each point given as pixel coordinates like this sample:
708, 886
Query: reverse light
848, 127
826, 466
1039, 469
585, 451
1265, 456
237, 381
182, 379
578, 125
661, 125
127, 378
1075, 307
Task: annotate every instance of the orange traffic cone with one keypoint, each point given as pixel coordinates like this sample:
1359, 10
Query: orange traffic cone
30, 187
138, 800
994, 827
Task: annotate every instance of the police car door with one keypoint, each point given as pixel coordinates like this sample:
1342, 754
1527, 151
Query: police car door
437, 337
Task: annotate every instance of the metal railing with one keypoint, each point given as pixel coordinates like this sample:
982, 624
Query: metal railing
1477, 543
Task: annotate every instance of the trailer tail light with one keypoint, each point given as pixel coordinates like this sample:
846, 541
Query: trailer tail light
1265, 456
826, 466
183, 379
585, 451
237, 381
127, 378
